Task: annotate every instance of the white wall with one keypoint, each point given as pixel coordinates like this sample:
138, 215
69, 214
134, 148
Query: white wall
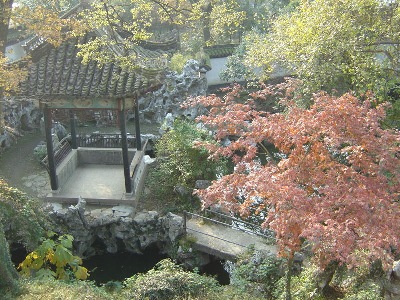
217, 65
15, 52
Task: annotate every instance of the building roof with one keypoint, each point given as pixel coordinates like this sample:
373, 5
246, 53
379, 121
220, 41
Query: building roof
61, 73
218, 51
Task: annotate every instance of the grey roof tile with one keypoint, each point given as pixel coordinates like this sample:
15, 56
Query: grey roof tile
61, 73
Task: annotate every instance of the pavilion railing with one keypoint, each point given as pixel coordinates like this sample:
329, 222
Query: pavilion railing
94, 140
61, 151
104, 140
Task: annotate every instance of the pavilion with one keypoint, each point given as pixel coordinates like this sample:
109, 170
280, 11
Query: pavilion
62, 83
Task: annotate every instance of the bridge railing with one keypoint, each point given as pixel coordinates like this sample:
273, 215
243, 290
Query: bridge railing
229, 221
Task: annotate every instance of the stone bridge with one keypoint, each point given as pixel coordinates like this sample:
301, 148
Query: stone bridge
226, 240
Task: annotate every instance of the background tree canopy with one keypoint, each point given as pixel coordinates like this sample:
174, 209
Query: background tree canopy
334, 45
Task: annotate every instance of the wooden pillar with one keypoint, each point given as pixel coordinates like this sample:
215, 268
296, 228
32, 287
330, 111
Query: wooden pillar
50, 151
137, 126
124, 142
73, 129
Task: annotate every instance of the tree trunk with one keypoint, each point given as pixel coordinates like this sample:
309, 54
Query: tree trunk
207, 23
289, 278
325, 277
5, 14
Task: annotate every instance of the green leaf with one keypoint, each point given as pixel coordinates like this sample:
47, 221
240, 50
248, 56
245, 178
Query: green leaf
81, 273
62, 256
66, 241
37, 263
47, 245
50, 234
45, 274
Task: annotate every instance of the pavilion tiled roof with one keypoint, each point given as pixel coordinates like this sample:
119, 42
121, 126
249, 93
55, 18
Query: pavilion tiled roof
61, 73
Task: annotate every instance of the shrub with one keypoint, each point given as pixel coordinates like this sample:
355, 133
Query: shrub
368, 291
364, 282
257, 272
356, 284
186, 163
50, 289
21, 216
303, 287
178, 61
180, 164
168, 281
235, 66
40, 151
187, 241
54, 259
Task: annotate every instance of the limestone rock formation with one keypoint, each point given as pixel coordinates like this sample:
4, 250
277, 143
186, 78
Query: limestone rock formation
117, 228
20, 115
23, 114
168, 99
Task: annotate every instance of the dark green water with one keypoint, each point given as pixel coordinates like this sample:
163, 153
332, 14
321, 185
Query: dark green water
216, 269
116, 267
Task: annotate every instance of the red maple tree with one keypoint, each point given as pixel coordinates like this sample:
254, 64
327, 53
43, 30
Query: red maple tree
334, 182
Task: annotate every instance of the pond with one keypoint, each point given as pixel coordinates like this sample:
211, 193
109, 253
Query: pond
119, 266
216, 269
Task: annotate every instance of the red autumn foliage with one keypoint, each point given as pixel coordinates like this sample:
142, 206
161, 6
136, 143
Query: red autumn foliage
336, 184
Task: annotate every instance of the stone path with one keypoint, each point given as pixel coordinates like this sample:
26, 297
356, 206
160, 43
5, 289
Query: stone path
20, 169
39, 183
